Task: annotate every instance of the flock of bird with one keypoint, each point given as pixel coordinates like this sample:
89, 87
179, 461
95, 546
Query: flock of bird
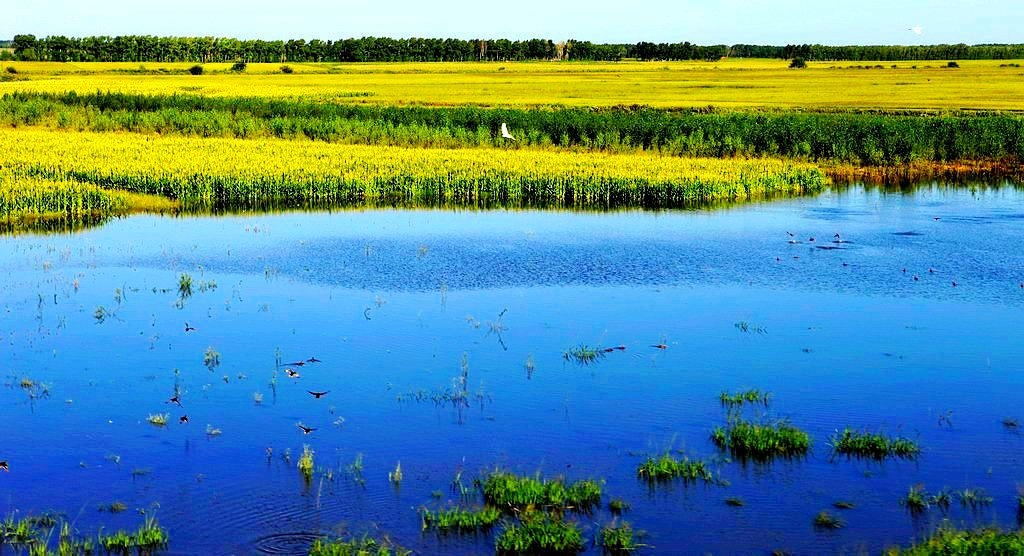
292, 373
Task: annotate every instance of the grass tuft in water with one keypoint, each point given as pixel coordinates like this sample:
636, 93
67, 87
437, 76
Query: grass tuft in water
583, 354
148, 539
365, 546
306, 463
872, 445
825, 520
843, 505
618, 506
974, 498
744, 439
158, 419
460, 519
540, 535
666, 468
744, 397
735, 502
618, 539
509, 491
395, 477
948, 541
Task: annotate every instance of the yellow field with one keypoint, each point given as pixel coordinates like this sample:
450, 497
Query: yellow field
728, 83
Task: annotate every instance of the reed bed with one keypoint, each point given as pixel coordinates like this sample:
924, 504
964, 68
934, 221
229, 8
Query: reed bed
541, 535
948, 541
364, 546
865, 138
460, 519
233, 173
666, 468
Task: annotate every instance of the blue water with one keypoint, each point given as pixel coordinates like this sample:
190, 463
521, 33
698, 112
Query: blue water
391, 301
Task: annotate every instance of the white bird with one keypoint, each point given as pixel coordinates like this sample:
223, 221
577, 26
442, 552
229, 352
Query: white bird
917, 30
504, 132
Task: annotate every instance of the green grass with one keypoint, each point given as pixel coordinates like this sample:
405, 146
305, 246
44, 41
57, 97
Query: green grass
825, 520
508, 492
618, 539
918, 500
872, 445
541, 535
618, 506
951, 542
761, 442
364, 546
306, 463
666, 468
158, 419
843, 505
974, 498
147, 539
744, 397
583, 354
460, 519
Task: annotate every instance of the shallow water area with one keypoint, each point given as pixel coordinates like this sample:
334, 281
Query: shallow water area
865, 330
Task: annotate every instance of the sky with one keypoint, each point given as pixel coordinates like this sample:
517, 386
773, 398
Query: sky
626, 21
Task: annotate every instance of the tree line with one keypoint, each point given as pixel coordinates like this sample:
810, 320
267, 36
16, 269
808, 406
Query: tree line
144, 48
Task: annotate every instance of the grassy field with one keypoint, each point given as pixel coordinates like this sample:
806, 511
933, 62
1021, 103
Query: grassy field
735, 83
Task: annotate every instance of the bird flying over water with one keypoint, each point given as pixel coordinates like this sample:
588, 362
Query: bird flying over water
292, 373
318, 395
176, 399
504, 132
660, 346
189, 328
4, 467
312, 360
183, 419
305, 430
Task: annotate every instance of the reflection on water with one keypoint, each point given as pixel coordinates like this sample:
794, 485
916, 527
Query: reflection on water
391, 300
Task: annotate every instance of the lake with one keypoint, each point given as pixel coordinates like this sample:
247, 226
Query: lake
866, 331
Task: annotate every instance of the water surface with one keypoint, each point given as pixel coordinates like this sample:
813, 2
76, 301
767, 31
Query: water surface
392, 301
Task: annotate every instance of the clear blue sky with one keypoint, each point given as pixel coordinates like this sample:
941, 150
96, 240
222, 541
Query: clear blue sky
705, 22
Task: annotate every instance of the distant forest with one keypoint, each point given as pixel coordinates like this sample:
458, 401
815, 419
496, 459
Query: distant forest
381, 49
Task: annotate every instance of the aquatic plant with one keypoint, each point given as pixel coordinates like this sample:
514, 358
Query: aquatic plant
395, 477
365, 546
158, 419
735, 502
949, 541
211, 358
973, 498
667, 468
872, 445
540, 535
511, 492
185, 285
916, 500
212, 431
114, 507
749, 328
744, 397
147, 539
825, 520
305, 464
618, 539
583, 354
761, 442
618, 506
843, 505
17, 532
460, 519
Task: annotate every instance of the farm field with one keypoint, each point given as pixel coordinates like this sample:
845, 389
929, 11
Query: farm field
762, 84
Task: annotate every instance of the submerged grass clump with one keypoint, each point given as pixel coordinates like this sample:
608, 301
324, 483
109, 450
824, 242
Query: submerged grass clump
744, 397
825, 520
872, 445
666, 468
583, 354
148, 539
511, 492
158, 419
744, 439
618, 539
460, 519
365, 546
306, 463
540, 535
951, 542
